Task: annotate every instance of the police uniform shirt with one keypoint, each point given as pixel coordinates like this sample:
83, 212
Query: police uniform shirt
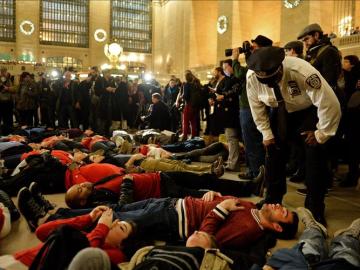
301, 86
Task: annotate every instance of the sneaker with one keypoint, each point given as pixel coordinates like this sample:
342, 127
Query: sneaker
303, 192
353, 230
39, 198
309, 221
9, 204
29, 208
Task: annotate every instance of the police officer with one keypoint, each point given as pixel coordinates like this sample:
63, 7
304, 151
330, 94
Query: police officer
301, 103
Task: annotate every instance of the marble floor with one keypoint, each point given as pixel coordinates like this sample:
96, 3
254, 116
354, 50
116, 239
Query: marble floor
343, 206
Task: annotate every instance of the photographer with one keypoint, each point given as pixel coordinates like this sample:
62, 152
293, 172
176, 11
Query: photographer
6, 101
252, 138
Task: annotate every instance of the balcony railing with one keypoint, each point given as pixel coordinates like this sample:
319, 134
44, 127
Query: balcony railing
348, 41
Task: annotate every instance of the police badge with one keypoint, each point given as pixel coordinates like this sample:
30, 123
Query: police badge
314, 81
294, 89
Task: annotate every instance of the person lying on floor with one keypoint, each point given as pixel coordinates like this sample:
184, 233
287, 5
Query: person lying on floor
189, 256
207, 154
312, 252
44, 168
58, 142
97, 184
140, 163
108, 235
173, 218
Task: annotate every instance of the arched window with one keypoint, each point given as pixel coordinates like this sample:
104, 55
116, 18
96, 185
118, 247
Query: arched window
131, 24
7, 20
64, 23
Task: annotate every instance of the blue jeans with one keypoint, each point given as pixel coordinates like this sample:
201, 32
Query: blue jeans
341, 247
312, 249
255, 153
155, 218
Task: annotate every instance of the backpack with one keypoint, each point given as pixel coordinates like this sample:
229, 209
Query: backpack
59, 249
213, 260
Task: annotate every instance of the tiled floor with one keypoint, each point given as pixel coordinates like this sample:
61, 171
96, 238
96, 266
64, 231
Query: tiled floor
343, 206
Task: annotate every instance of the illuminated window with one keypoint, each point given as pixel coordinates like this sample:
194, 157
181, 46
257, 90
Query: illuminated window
64, 22
7, 20
63, 62
345, 26
131, 24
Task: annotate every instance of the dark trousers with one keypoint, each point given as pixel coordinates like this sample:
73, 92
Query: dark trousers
182, 184
185, 146
213, 150
104, 145
47, 116
67, 113
316, 168
26, 117
6, 117
254, 149
84, 116
66, 145
103, 126
352, 136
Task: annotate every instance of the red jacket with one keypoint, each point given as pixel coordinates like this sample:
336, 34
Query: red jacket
146, 185
63, 156
96, 239
239, 229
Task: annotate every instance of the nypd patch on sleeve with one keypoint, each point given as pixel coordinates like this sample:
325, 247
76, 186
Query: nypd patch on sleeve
314, 81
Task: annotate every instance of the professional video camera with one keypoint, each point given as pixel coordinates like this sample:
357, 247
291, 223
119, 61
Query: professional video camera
246, 48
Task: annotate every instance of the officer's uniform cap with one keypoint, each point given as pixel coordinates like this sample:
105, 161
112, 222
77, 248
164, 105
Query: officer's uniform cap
310, 29
266, 62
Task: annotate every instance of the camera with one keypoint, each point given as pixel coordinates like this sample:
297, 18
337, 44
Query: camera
246, 48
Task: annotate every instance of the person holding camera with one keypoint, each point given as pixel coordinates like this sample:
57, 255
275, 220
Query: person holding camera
6, 101
255, 154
